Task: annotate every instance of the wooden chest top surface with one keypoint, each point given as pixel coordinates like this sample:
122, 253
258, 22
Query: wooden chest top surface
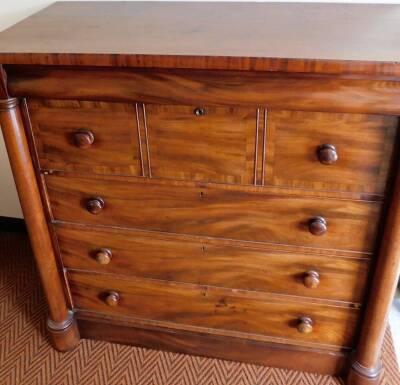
262, 36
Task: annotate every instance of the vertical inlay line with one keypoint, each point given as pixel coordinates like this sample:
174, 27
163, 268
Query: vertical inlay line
264, 146
256, 147
147, 139
139, 138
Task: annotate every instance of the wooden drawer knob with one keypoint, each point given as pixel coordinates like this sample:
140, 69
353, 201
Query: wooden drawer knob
112, 299
83, 139
327, 154
305, 325
103, 256
317, 226
95, 205
311, 279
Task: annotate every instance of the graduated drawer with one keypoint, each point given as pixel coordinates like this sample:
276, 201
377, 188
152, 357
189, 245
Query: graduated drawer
214, 310
215, 211
216, 263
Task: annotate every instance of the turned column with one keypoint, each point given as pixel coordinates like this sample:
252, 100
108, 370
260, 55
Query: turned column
61, 324
366, 367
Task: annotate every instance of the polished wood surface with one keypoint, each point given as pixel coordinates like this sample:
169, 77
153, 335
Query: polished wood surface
223, 88
191, 260
216, 212
220, 311
60, 321
357, 153
96, 137
212, 187
210, 144
367, 366
142, 333
335, 37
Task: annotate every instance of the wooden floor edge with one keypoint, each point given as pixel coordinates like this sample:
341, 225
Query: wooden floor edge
199, 344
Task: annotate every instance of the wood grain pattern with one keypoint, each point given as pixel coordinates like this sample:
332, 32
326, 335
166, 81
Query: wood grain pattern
192, 307
220, 88
218, 146
367, 363
200, 262
216, 212
61, 323
364, 145
115, 148
285, 356
194, 35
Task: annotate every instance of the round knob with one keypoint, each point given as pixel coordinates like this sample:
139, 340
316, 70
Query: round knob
317, 226
199, 111
311, 279
327, 154
112, 299
103, 256
83, 139
95, 205
305, 325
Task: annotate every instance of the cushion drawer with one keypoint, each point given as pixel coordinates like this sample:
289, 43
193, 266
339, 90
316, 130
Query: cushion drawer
202, 261
210, 309
215, 211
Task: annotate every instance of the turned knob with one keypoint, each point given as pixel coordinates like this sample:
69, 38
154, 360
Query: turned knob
311, 279
103, 256
112, 299
305, 325
317, 226
83, 139
95, 205
327, 154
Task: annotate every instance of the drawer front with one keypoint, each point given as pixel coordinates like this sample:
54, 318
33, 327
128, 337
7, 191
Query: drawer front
329, 151
191, 260
95, 137
211, 144
216, 212
255, 315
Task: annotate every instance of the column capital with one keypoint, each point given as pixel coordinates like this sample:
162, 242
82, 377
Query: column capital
8, 104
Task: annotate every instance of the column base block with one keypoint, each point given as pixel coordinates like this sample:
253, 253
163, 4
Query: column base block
64, 335
360, 375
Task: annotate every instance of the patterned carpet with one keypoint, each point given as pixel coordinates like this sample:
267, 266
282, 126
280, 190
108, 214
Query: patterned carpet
26, 358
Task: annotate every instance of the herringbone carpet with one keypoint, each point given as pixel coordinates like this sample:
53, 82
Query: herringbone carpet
26, 358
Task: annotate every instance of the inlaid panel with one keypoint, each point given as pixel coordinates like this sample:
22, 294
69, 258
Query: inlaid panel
329, 151
95, 137
211, 144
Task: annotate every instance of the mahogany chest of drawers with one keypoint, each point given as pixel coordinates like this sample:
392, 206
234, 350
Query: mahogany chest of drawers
214, 179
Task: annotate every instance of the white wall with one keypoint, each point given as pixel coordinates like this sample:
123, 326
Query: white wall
12, 11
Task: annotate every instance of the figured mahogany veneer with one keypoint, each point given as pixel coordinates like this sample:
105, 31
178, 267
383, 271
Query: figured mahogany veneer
236, 197
208, 262
330, 151
108, 136
215, 211
249, 314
